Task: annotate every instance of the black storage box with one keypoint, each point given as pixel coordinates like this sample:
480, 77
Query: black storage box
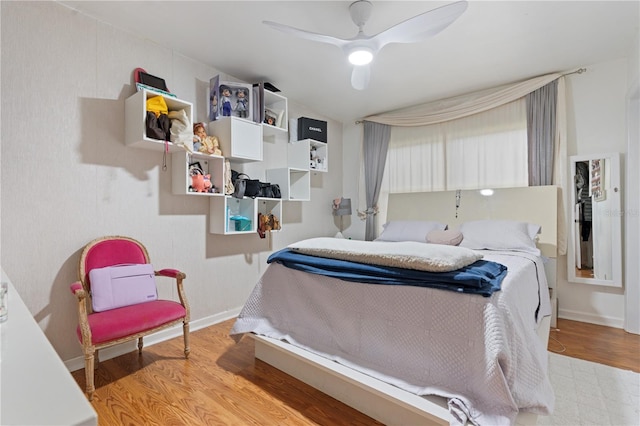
308, 128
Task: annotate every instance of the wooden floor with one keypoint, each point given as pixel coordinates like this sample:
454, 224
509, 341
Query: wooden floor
222, 383
584, 273
604, 345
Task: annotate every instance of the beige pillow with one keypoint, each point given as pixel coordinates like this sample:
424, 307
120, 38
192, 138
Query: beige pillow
450, 237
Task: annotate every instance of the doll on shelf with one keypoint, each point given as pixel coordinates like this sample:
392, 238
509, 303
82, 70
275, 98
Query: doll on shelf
225, 100
242, 102
205, 144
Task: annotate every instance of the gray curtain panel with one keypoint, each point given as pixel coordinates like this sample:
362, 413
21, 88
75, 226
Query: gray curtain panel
541, 128
376, 144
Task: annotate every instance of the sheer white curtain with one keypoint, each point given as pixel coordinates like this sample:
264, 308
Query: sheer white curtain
484, 150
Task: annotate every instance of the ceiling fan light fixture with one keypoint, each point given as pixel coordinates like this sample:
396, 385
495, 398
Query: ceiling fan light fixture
361, 48
360, 56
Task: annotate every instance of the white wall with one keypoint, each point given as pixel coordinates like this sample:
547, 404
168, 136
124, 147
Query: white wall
596, 122
67, 176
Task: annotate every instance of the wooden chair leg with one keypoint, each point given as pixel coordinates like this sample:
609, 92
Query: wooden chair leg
139, 345
89, 374
185, 328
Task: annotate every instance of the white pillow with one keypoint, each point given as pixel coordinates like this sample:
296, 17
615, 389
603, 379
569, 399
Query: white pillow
500, 235
409, 230
534, 230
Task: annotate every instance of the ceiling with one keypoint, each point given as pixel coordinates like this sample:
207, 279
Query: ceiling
492, 43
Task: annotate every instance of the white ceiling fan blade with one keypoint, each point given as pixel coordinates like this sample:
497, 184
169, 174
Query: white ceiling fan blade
423, 26
360, 76
306, 34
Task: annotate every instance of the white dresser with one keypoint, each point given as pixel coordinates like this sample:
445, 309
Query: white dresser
36, 388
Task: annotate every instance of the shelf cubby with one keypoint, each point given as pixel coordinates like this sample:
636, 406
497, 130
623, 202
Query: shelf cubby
181, 179
135, 108
295, 184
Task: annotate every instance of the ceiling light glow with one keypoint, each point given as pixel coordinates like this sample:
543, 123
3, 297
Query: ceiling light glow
360, 57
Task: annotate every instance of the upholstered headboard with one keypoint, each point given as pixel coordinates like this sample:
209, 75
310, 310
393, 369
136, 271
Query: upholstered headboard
534, 204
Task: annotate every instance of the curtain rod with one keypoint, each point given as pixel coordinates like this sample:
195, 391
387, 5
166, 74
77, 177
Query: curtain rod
578, 71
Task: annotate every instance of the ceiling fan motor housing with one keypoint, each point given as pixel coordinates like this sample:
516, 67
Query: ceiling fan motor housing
360, 12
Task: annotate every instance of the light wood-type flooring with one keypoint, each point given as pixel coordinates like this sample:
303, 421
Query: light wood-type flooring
223, 384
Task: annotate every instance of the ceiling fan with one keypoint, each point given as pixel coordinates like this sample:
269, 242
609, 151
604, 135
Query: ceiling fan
362, 48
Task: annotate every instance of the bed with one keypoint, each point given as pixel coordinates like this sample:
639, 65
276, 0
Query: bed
409, 354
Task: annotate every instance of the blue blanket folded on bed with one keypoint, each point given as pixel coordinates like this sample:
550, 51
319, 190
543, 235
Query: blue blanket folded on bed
481, 277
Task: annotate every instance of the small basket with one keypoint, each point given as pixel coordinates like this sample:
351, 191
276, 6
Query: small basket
242, 224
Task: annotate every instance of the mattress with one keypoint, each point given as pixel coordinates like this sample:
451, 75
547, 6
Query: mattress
482, 353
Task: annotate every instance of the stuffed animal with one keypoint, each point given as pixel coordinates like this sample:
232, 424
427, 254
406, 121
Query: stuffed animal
197, 183
201, 183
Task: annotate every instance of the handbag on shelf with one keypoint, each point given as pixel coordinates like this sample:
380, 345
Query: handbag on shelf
269, 190
265, 190
239, 188
275, 191
267, 223
245, 186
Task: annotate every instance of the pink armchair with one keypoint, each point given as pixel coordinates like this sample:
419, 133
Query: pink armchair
98, 330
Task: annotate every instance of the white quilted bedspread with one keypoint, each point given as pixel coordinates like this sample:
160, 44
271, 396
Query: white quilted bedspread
481, 353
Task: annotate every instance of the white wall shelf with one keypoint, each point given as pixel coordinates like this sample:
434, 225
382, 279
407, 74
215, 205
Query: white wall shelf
268, 206
181, 179
223, 208
321, 161
275, 105
295, 184
298, 154
240, 139
135, 108
309, 154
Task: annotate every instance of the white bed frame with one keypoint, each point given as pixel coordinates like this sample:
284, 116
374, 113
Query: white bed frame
389, 404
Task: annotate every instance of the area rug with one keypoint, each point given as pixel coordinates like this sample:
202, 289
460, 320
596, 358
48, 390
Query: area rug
588, 393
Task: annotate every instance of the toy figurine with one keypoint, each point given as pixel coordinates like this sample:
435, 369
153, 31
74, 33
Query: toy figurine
269, 119
206, 144
241, 103
225, 100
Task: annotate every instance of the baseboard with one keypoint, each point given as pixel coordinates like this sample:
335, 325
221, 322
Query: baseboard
77, 363
591, 318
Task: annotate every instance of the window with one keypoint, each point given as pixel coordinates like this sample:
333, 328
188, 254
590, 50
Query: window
485, 150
